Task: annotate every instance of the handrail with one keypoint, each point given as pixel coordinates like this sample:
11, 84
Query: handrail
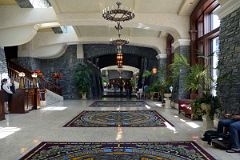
14, 70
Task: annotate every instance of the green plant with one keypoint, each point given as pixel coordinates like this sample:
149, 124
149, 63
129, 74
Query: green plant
166, 84
198, 78
212, 104
82, 78
179, 62
155, 87
147, 74
196, 109
133, 82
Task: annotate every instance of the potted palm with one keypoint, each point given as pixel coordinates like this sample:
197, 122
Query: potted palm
197, 79
209, 104
82, 79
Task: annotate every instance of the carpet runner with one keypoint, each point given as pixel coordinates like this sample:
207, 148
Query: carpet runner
137, 118
187, 150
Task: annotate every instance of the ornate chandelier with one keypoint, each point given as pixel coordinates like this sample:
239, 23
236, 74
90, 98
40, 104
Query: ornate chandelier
119, 14
119, 41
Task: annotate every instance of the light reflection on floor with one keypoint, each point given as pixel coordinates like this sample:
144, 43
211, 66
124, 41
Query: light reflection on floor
54, 108
6, 131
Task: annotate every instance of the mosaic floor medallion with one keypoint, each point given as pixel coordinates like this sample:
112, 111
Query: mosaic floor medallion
118, 104
141, 118
118, 151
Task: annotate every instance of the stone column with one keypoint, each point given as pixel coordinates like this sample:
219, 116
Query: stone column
3, 65
162, 65
228, 85
181, 46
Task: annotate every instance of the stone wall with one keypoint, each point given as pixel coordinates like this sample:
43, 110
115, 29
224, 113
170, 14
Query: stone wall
3, 63
66, 64
179, 91
228, 88
29, 63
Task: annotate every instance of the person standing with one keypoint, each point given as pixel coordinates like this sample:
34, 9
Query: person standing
12, 88
6, 91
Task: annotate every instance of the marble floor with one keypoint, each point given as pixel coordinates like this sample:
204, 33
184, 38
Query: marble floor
19, 133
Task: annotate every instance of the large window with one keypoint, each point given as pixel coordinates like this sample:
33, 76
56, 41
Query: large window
204, 37
214, 20
214, 63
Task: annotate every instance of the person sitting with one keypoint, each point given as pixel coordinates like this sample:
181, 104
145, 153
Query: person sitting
6, 91
224, 123
234, 133
232, 123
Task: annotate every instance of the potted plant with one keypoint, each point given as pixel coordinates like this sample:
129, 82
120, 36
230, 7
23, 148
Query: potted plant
154, 89
82, 79
197, 79
205, 107
179, 62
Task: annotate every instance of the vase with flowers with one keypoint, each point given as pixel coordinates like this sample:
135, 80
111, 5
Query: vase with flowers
56, 76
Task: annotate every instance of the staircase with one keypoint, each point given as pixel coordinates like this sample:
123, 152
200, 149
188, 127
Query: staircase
52, 98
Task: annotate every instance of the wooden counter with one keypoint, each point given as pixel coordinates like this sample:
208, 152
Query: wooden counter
2, 114
22, 101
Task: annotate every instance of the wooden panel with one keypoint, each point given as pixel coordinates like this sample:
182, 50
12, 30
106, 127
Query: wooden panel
30, 98
18, 103
23, 101
2, 114
36, 100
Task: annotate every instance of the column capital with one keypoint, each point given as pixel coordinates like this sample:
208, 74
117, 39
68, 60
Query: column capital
161, 56
228, 7
181, 42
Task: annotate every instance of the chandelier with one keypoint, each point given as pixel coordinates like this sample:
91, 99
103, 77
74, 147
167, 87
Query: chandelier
119, 41
118, 14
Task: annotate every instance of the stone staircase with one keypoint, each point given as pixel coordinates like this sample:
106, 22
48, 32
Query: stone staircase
52, 98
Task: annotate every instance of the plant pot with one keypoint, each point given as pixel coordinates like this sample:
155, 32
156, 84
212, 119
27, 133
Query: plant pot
84, 96
167, 100
167, 95
207, 123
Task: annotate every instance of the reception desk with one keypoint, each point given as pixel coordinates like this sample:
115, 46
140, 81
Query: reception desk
24, 100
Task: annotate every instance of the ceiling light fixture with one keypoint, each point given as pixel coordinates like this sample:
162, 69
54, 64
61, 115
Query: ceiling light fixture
119, 14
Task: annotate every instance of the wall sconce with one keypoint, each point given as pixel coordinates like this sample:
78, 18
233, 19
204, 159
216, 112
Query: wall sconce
34, 76
21, 83
154, 70
21, 74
